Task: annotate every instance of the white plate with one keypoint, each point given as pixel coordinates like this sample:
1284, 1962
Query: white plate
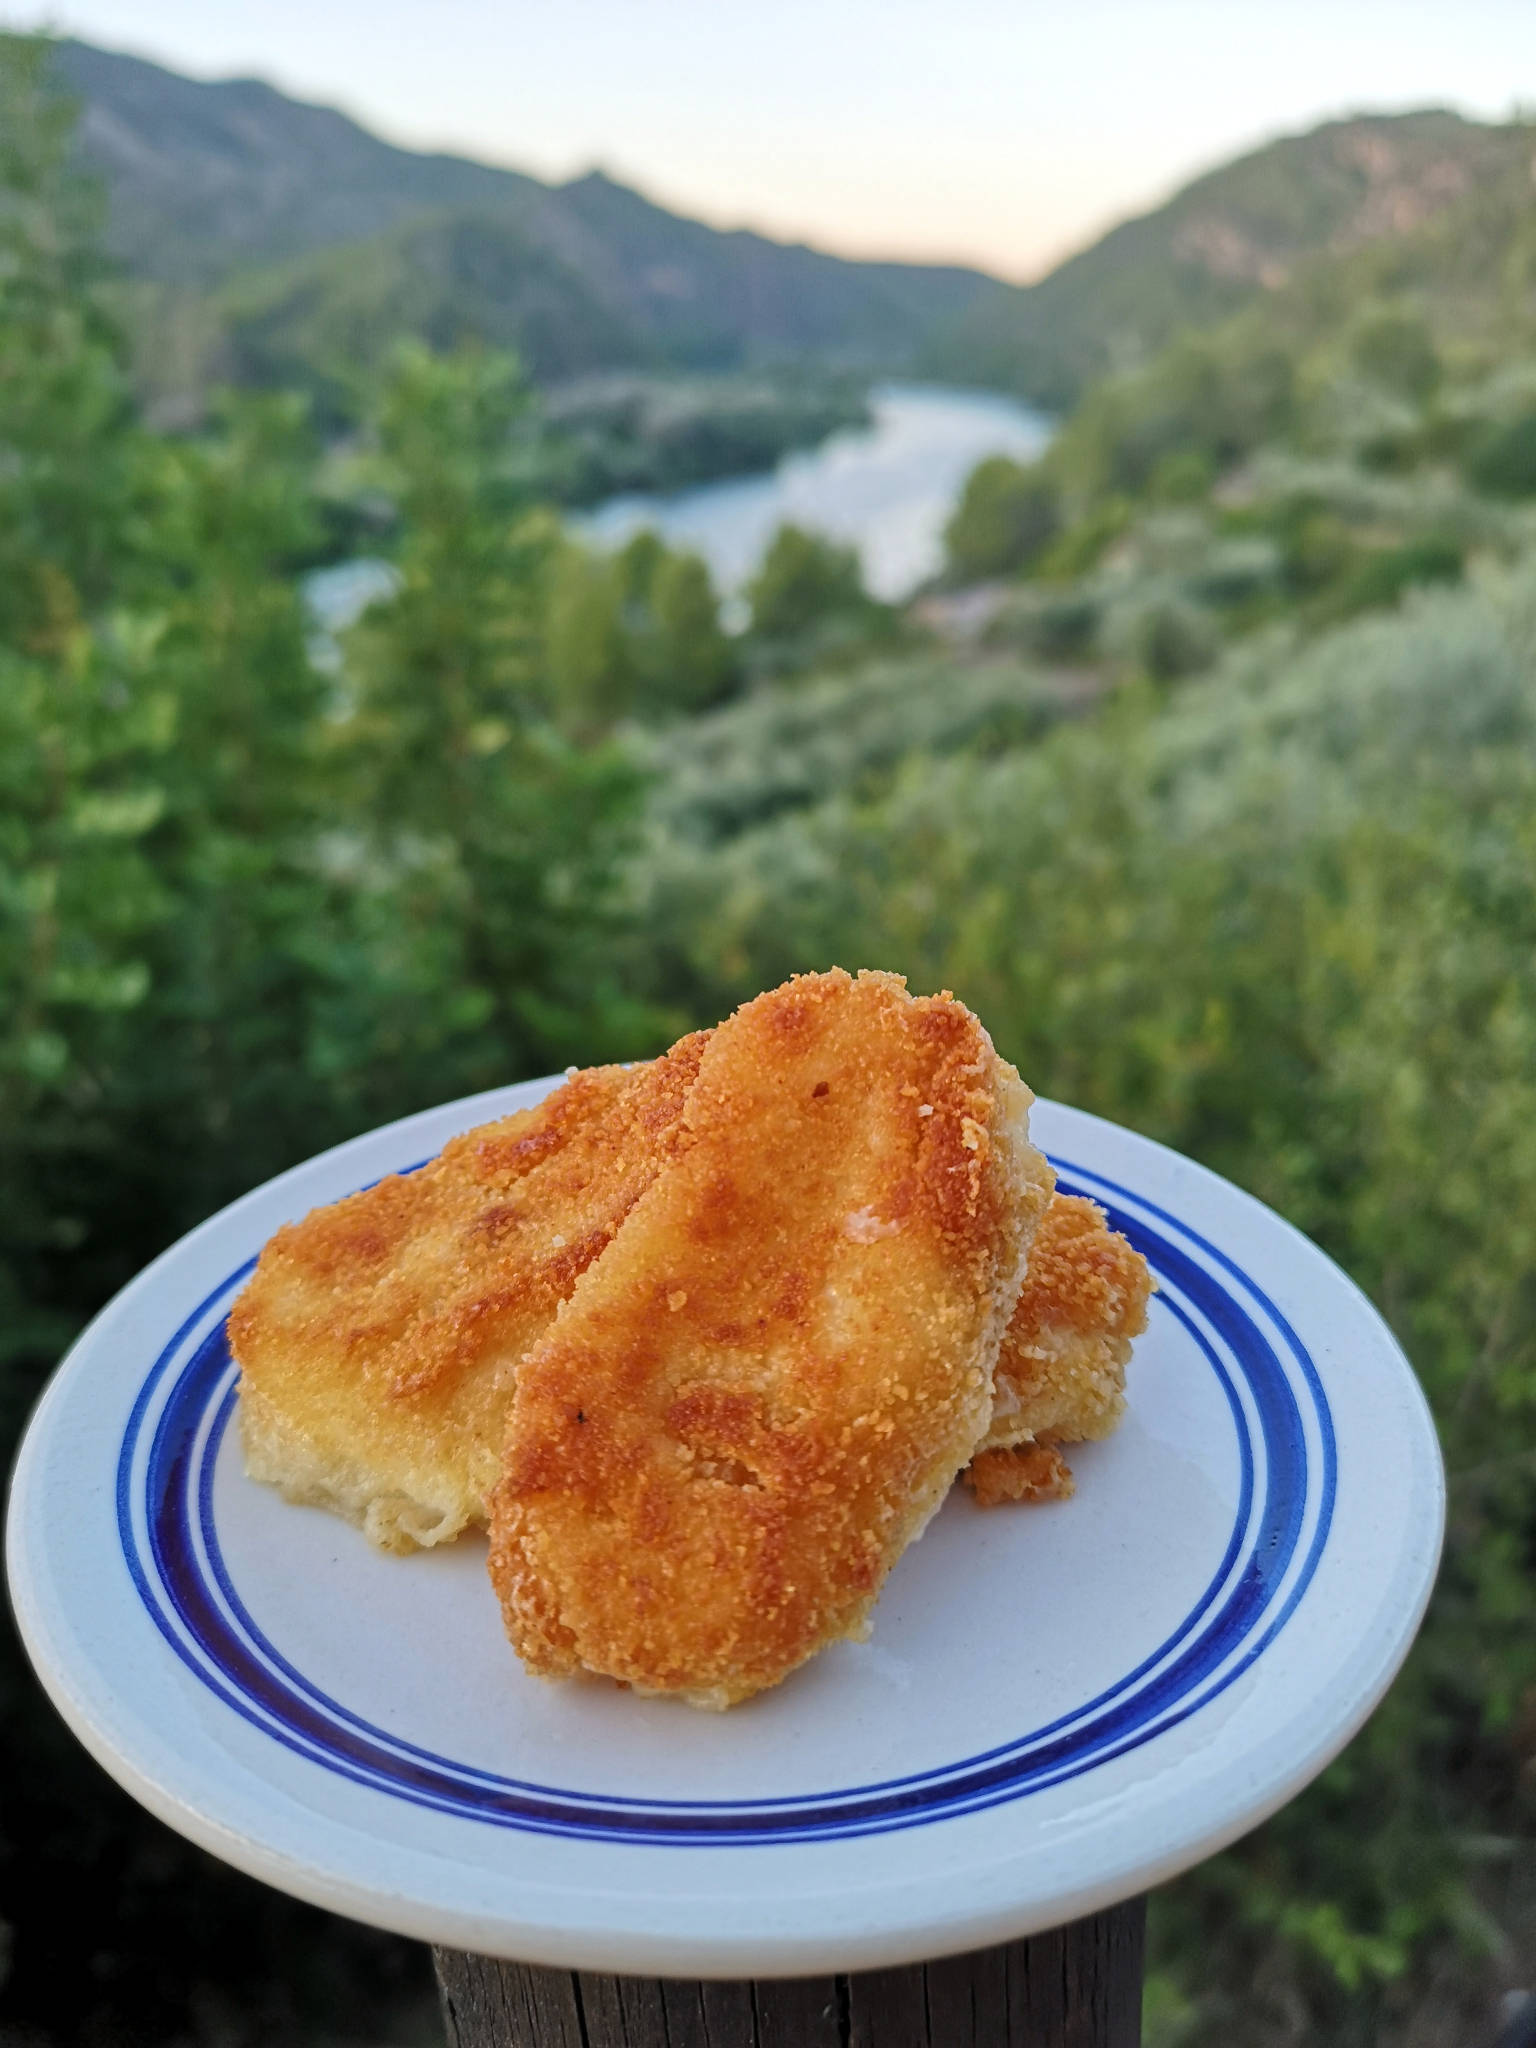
1060, 1705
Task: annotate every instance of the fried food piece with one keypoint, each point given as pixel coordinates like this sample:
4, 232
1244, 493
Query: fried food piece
378, 1338
760, 1393
1061, 1371
1022, 1472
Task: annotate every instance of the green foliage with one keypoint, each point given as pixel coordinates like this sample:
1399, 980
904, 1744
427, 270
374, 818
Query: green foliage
1183, 476
1379, 577
247, 906
325, 323
1285, 922
1050, 625
1213, 399
1172, 640
803, 581
1397, 351
68, 462
1084, 542
786, 746
488, 823
591, 663
1502, 459
636, 635
809, 607
1007, 514
612, 434
693, 664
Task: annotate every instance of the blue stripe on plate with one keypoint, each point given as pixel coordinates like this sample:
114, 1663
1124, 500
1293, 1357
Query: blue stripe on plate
170, 1540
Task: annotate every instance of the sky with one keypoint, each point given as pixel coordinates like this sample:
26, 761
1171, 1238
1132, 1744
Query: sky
1004, 133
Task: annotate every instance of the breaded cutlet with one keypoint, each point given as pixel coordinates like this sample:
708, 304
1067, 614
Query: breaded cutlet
1061, 1370
378, 1338
764, 1388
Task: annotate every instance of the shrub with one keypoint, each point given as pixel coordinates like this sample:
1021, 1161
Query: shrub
1397, 351
1502, 459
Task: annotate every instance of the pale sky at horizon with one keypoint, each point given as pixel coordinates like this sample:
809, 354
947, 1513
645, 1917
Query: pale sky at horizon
999, 134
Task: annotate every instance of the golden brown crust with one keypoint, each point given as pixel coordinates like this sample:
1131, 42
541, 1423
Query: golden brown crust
1032, 1472
378, 1337
757, 1397
1061, 1370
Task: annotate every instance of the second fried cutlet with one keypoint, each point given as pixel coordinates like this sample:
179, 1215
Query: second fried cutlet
1061, 1371
379, 1337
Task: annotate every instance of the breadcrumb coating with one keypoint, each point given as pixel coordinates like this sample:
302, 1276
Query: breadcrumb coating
1061, 1370
759, 1394
1022, 1472
379, 1337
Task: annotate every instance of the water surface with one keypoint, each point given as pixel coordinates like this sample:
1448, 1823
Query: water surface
888, 488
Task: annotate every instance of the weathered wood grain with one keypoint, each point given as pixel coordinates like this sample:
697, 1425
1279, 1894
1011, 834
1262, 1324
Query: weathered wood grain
1077, 1987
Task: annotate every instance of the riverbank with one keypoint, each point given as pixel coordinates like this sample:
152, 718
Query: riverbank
887, 489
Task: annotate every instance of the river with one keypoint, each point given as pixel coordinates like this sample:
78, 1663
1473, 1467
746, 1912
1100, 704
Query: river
888, 488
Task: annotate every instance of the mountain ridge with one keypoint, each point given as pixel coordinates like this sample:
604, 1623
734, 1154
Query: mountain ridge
1223, 241
272, 241
234, 196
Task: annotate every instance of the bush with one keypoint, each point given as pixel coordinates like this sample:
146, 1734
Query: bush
1216, 399
1502, 459
1397, 351
1173, 641
1054, 627
1382, 575
786, 747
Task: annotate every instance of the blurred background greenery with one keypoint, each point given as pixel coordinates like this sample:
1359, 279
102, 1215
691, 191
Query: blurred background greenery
1205, 771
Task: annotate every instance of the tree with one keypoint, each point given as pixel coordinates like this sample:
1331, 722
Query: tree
592, 664
492, 836
636, 634
69, 458
246, 907
695, 662
163, 941
804, 581
1008, 514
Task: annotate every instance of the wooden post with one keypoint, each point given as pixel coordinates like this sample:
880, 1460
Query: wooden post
1077, 1987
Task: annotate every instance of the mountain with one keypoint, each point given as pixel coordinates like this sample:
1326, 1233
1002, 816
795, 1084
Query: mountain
1223, 243
273, 242
293, 244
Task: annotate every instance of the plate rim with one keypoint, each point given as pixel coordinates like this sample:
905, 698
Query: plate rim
693, 1953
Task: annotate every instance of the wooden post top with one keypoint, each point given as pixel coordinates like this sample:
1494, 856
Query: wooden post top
1076, 1987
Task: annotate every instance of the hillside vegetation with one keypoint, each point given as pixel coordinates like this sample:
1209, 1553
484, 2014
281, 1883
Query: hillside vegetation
1210, 780
1227, 240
